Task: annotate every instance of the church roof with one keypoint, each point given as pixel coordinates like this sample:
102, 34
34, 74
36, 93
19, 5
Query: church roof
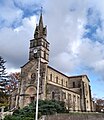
57, 71
76, 76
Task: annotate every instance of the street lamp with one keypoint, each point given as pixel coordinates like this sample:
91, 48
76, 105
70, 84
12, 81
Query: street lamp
38, 77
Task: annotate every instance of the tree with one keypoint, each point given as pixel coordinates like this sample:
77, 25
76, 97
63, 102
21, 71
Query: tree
99, 105
12, 89
3, 83
12, 82
2, 73
2, 67
8, 84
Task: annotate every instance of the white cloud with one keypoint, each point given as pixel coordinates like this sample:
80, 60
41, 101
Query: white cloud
27, 2
99, 66
65, 29
65, 62
15, 42
29, 5
69, 51
9, 13
91, 55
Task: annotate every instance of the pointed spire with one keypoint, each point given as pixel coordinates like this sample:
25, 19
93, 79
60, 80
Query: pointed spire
40, 30
41, 20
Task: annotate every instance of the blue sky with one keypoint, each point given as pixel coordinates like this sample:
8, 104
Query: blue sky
75, 33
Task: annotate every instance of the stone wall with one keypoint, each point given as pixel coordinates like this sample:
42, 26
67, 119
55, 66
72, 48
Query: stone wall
90, 116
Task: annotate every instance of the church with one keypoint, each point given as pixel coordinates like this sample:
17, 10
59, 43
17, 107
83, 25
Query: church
75, 91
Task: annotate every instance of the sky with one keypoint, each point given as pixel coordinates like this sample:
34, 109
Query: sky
75, 33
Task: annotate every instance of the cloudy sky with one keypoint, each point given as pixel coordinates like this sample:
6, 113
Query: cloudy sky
75, 33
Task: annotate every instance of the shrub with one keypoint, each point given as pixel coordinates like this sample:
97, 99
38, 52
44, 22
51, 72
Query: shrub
46, 107
9, 117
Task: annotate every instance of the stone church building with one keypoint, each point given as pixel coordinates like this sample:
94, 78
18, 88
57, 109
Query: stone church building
75, 91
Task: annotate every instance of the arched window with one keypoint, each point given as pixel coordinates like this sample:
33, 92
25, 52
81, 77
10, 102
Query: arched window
44, 54
32, 99
53, 95
73, 84
50, 77
62, 82
57, 79
64, 95
33, 78
66, 84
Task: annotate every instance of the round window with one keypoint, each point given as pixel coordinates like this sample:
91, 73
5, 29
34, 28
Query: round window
33, 76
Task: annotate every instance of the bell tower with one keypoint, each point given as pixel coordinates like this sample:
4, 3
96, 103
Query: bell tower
39, 44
